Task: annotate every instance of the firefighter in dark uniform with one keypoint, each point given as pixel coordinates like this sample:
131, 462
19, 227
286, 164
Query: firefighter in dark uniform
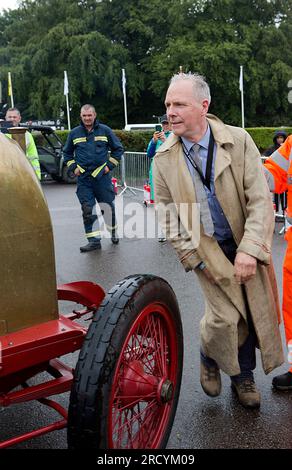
86, 152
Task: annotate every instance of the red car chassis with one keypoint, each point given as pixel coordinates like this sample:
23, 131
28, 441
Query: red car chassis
144, 377
33, 350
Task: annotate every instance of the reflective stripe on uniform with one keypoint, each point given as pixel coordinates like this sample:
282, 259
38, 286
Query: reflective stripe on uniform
27, 139
270, 179
81, 169
97, 170
102, 138
34, 161
32, 153
93, 234
110, 227
78, 140
35, 164
280, 160
70, 162
114, 161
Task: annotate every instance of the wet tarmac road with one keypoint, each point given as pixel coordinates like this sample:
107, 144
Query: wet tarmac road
201, 422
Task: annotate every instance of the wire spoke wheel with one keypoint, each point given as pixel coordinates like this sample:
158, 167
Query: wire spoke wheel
144, 381
128, 376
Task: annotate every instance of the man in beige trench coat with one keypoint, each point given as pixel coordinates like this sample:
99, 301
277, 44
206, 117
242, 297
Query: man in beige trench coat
214, 171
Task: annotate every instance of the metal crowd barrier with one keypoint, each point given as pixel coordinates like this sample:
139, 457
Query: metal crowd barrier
133, 171
280, 205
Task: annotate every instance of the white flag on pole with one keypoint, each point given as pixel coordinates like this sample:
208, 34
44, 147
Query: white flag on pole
66, 93
241, 92
66, 83
241, 79
124, 81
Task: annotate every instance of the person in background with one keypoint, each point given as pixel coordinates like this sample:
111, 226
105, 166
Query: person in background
13, 115
278, 169
92, 150
279, 138
159, 137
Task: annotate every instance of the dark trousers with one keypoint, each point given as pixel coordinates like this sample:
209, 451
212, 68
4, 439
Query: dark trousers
280, 199
90, 190
246, 353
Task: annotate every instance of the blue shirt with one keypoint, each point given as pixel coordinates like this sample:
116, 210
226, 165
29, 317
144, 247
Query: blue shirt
222, 230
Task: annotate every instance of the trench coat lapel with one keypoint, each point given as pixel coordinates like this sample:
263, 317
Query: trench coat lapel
221, 136
223, 160
184, 188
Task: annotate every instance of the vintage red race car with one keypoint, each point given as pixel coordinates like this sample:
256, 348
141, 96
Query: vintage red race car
125, 387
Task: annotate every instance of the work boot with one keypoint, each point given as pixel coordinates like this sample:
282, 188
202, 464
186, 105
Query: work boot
283, 382
115, 238
247, 393
210, 380
91, 246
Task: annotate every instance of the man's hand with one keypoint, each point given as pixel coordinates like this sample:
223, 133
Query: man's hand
245, 267
159, 136
77, 172
106, 170
155, 136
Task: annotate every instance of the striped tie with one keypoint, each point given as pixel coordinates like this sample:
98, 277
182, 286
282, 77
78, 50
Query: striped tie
205, 214
196, 157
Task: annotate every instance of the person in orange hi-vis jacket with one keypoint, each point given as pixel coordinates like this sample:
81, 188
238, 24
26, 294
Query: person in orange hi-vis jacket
278, 170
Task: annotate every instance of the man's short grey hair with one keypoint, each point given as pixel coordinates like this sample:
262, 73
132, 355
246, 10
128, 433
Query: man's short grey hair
15, 110
87, 107
200, 86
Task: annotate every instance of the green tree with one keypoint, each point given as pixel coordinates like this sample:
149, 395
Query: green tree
218, 36
93, 40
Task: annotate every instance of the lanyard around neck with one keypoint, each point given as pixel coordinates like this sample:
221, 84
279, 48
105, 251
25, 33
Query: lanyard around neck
206, 180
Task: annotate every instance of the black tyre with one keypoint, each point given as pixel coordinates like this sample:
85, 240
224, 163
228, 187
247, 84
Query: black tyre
128, 375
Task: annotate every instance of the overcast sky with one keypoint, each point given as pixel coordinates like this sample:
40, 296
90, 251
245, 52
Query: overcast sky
6, 4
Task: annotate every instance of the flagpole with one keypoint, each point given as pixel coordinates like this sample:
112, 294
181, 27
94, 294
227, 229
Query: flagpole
242, 99
66, 93
68, 112
10, 91
125, 95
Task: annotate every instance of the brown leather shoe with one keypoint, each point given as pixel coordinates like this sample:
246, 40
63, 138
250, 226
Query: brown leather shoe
210, 380
247, 393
